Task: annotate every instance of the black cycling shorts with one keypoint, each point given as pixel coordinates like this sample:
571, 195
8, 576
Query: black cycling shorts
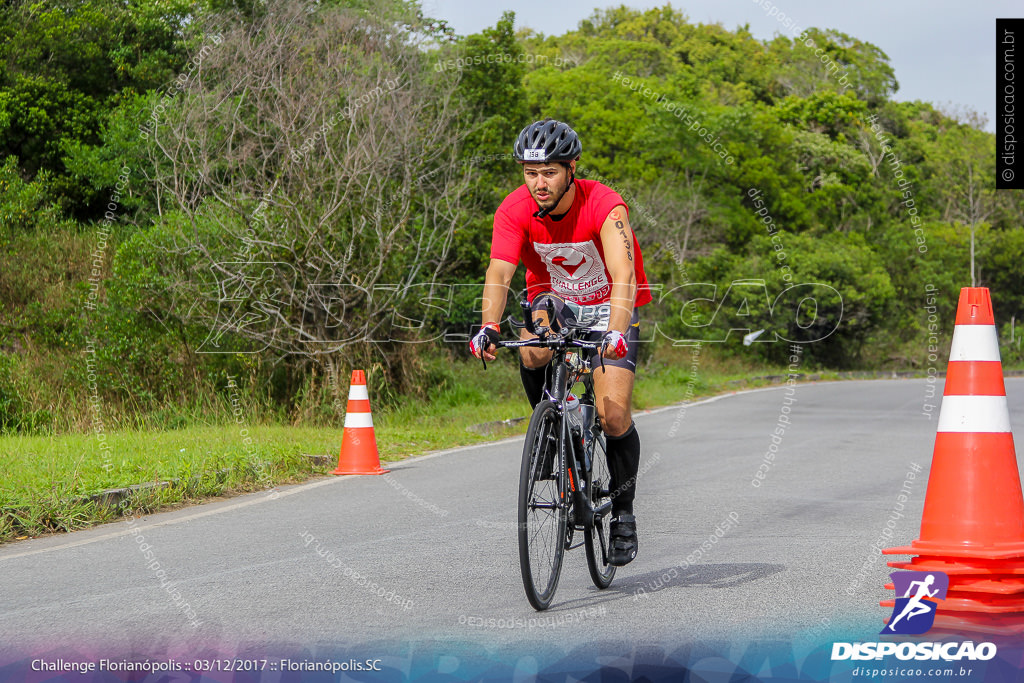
565, 309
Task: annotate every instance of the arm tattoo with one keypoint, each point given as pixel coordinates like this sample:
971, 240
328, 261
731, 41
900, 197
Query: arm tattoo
625, 239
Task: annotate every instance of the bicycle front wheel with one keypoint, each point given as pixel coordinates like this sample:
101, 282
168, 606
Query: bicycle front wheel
598, 537
542, 506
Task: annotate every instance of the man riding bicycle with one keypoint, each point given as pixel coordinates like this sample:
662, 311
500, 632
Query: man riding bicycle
573, 236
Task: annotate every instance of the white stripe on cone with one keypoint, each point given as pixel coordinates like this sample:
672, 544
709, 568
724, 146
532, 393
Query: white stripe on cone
974, 342
358, 392
358, 420
974, 414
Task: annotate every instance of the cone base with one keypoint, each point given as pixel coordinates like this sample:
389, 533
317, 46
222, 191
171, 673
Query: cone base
988, 585
962, 565
991, 605
967, 622
341, 472
1002, 551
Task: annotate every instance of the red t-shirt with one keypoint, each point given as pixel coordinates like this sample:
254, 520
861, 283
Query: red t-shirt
564, 256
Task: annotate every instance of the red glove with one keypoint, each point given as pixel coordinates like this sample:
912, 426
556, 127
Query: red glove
616, 341
488, 336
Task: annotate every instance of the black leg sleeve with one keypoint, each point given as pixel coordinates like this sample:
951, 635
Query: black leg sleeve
623, 465
533, 383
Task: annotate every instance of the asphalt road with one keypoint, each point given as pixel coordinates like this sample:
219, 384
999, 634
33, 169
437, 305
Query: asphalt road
295, 570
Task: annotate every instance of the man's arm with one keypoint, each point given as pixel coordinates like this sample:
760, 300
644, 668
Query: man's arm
617, 242
499, 277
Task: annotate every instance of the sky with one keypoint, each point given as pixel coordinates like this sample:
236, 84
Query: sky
943, 51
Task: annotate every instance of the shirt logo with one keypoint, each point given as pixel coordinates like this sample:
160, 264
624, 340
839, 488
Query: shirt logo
576, 269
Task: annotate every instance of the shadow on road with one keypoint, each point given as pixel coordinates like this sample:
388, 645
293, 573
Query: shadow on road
723, 575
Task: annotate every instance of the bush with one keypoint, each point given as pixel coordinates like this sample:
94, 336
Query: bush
11, 403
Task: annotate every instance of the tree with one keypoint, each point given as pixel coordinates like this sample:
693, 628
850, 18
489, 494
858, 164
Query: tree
65, 65
489, 67
963, 157
828, 292
822, 60
311, 170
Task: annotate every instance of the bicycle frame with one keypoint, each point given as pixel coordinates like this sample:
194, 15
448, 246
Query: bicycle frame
578, 500
563, 377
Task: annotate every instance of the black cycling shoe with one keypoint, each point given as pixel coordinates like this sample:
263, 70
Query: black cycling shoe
623, 540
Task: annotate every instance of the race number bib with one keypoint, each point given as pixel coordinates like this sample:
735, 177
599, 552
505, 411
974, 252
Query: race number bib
595, 316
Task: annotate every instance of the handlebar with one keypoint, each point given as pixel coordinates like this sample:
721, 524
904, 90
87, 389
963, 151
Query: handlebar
550, 343
553, 342
550, 337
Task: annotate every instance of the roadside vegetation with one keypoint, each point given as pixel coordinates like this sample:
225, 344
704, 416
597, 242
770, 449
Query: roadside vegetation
212, 212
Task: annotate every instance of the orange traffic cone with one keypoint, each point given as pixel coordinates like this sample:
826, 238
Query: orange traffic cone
973, 506
972, 526
358, 444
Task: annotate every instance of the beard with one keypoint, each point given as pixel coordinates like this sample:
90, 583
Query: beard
554, 195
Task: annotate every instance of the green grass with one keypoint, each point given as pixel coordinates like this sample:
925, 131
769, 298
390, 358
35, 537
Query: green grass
49, 479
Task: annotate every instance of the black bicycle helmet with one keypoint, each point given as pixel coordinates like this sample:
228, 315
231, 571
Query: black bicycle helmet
547, 140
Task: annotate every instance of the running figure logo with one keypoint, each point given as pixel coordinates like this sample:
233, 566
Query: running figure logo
914, 613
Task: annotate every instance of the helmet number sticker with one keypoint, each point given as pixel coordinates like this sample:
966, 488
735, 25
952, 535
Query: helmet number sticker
536, 154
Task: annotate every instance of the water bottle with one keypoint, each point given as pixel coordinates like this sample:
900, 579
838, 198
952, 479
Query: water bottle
572, 411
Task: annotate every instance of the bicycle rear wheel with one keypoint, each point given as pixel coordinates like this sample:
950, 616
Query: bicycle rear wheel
542, 506
597, 537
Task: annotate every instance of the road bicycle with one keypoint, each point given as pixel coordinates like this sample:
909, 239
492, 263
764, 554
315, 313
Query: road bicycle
564, 481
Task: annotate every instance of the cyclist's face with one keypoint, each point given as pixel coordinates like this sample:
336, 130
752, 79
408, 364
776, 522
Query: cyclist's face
546, 182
